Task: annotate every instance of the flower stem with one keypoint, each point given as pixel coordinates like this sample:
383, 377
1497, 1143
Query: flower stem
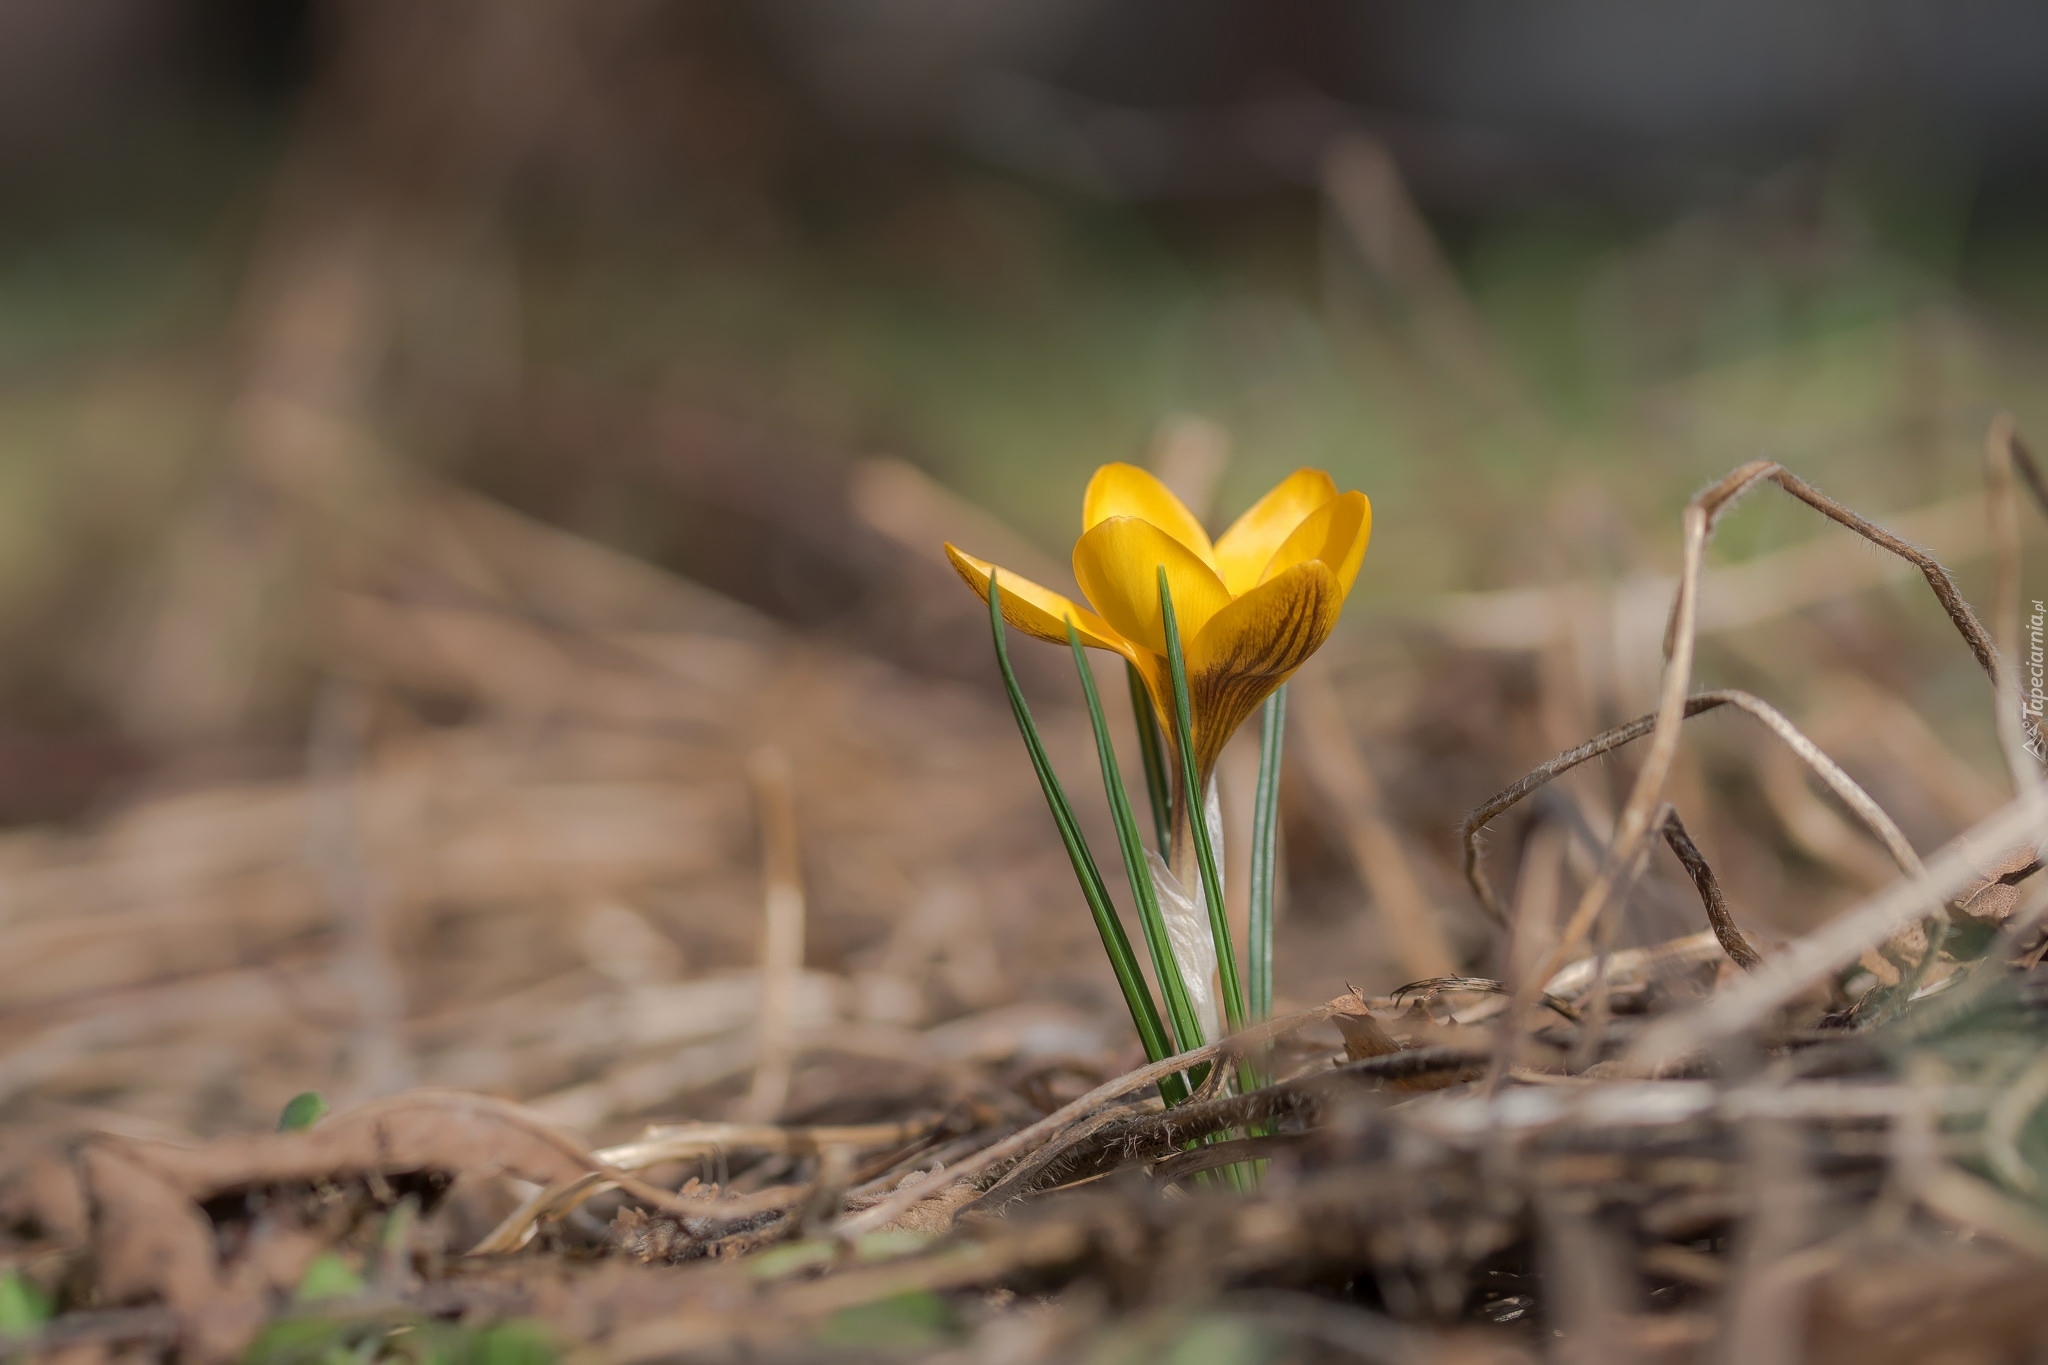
1192, 788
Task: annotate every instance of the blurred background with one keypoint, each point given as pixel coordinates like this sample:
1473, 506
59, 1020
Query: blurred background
454, 457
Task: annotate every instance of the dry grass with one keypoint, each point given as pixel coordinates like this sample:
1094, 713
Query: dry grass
538, 915
706, 988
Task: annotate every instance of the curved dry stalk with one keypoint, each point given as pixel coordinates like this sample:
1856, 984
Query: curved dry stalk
1784, 974
1730, 937
1861, 713
1839, 782
1816, 828
1680, 641
1945, 591
1501, 801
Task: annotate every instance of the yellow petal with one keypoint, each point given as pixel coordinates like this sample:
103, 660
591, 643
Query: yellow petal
1158, 681
1243, 551
1335, 533
1124, 490
1252, 646
1035, 610
1117, 564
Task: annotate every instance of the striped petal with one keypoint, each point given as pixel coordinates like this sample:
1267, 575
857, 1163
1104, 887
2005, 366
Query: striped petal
1335, 533
1117, 563
1037, 611
1124, 490
1243, 551
1252, 646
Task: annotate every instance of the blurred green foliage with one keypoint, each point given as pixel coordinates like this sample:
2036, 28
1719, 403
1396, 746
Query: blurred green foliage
1856, 320
323, 1341
302, 1110
901, 1322
23, 1307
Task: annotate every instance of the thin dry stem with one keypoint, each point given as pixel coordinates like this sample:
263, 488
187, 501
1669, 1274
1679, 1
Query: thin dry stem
1726, 932
1830, 772
782, 933
1538, 892
1680, 638
1945, 591
1025, 1140
1785, 974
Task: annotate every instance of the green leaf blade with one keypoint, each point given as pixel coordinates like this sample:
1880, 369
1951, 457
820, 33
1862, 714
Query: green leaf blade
1265, 856
1137, 995
1180, 1008
1212, 885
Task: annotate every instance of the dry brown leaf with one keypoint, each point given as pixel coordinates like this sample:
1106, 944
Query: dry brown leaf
1996, 894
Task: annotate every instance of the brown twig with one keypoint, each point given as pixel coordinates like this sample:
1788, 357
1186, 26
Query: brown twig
933, 1184
1487, 811
1945, 590
1700, 517
1738, 948
1830, 772
1784, 974
1680, 640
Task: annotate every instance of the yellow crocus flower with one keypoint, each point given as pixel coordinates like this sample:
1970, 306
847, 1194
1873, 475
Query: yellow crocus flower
1251, 606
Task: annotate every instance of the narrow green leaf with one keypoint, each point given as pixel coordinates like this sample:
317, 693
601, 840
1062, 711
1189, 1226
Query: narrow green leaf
1180, 1008
1137, 995
1212, 885
1265, 855
1153, 746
